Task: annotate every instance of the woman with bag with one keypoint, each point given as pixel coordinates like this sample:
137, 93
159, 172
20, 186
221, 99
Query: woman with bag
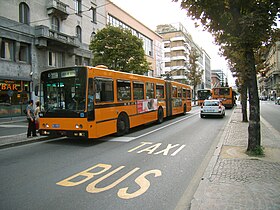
36, 113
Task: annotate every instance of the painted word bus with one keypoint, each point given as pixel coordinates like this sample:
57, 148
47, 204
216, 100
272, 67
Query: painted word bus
203, 94
225, 94
92, 102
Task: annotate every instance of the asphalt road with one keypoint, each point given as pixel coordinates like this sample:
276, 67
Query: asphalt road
153, 167
271, 113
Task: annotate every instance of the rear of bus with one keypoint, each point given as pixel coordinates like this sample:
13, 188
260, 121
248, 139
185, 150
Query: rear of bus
225, 95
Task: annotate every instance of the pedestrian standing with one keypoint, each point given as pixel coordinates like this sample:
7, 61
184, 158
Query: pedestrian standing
31, 120
36, 113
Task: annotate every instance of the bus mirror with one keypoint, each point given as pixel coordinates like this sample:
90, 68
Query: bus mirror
36, 90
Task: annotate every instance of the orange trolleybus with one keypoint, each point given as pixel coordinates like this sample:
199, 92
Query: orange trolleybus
92, 102
225, 94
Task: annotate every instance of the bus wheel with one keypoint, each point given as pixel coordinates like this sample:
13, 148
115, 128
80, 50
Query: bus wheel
160, 116
122, 125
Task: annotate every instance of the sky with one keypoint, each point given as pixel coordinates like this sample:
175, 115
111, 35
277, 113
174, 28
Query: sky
155, 12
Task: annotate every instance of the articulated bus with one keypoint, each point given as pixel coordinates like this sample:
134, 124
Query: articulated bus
203, 94
225, 94
91, 102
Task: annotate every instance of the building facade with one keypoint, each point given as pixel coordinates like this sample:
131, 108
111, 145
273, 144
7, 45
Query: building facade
152, 42
44, 34
218, 78
38, 35
269, 80
178, 44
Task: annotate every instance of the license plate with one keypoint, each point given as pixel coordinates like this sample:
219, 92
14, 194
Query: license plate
56, 126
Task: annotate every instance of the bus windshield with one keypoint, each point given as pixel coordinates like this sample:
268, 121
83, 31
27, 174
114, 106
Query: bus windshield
64, 90
203, 94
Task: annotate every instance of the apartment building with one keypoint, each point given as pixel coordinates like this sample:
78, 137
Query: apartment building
269, 81
218, 78
152, 41
178, 44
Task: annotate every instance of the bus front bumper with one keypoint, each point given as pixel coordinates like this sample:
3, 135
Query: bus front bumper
80, 134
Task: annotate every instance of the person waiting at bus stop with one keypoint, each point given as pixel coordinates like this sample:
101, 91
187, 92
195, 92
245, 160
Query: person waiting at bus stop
31, 120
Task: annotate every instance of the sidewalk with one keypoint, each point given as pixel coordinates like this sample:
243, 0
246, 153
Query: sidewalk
17, 139
234, 180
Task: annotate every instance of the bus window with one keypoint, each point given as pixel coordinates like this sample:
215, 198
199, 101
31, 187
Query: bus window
188, 92
174, 92
104, 90
160, 91
150, 93
123, 90
90, 100
180, 92
138, 91
184, 93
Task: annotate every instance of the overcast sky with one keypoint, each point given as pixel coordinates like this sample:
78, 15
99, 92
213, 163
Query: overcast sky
155, 12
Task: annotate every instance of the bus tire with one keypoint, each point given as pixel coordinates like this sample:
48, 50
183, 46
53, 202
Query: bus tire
122, 124
160, 115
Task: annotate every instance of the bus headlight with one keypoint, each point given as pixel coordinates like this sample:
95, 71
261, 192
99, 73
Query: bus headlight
79, 126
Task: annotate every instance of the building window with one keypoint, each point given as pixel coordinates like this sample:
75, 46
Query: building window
24, 52
78, 6
56, 59
94, 14
55, 23
78, 60
7, 50
147, 42
79, 33
24, 13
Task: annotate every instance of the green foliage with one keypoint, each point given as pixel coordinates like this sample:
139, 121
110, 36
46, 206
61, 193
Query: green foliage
194, 73
240, 28
258, 151
119, 50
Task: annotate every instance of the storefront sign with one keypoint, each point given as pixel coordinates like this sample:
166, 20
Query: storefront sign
9, 85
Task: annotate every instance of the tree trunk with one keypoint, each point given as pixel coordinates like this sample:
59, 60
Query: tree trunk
244, 102
254, 133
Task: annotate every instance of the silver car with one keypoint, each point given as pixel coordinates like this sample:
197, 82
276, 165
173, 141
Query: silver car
212, 108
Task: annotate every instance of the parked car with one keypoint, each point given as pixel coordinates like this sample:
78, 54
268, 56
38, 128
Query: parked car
277, 100
212, 108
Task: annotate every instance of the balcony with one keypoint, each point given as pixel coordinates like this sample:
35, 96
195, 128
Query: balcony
179, 38
181, 57
46, 37
57, 8
179, 48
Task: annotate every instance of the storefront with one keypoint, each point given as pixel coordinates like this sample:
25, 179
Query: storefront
14, 96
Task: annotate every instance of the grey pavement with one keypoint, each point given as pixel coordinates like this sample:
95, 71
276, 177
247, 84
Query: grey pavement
234, 180
17, 139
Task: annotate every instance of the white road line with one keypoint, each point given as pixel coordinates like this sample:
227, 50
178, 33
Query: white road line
13, 126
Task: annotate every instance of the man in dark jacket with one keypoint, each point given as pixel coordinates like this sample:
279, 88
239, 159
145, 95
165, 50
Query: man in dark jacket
31, 120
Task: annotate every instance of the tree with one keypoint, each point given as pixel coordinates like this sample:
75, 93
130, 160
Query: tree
194, 73
119, 50
245, 24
